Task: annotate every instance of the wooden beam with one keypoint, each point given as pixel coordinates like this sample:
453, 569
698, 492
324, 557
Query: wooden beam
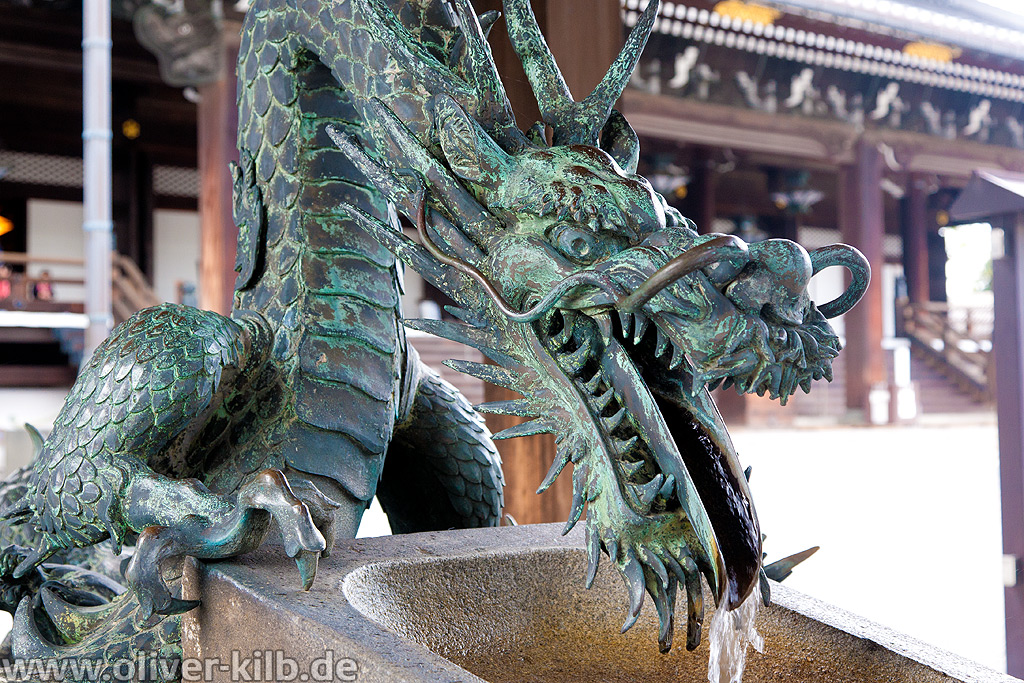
862, 225
717, 125
36, 376
218, 129
794, 137
26, 55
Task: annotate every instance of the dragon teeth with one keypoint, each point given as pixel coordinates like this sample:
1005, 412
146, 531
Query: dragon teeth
677, 358
669, 487
592, 384
563, 336
646, 493
610, 423
624, 446
601, 402
626, 320
663, 344
641, 328
579, 357
631, 468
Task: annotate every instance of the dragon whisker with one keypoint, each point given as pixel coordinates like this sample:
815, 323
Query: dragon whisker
855, 262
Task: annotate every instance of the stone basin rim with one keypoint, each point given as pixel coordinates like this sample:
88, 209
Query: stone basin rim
244, 580
958, 667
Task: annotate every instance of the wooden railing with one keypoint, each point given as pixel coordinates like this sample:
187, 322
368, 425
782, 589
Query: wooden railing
957, 341
22, 288
130, 290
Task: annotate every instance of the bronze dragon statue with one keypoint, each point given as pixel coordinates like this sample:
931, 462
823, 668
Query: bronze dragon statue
188, 432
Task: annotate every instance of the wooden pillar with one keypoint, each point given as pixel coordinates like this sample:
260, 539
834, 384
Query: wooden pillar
585, 36
1007, 342
862, 219
217, 118
141, 211
525, 461
939, 204
915, 240
702, 190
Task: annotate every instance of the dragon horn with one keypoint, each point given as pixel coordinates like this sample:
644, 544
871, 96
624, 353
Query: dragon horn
480, 67
598, 104
620, 141
572, 122
553, 96
860, 271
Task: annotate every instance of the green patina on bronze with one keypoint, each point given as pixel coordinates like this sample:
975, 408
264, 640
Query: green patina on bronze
188, 432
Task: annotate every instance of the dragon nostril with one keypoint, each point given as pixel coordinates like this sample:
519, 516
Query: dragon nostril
774, 283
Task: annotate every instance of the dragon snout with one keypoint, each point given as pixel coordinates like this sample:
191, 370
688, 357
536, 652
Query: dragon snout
775, 281
769, 277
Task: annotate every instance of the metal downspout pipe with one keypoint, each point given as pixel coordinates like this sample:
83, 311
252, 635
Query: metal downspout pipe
97, 137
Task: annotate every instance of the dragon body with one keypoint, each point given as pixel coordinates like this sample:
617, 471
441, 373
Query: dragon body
189, 433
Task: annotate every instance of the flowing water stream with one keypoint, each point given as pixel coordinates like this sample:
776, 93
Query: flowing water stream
731, 633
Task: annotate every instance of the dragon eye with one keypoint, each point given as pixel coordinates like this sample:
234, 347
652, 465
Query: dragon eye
576, 244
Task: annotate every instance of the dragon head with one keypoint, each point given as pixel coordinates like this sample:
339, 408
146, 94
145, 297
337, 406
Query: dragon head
611, 315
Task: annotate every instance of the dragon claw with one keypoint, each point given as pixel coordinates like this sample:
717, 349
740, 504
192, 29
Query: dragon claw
269, 490
176, 606
321, 508
307, 561
648, 565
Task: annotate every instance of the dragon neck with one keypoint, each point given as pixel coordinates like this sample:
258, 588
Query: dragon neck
313, 270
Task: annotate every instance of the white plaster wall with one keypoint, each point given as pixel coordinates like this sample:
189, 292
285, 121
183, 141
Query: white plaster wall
175, 251
37, 407
55, 229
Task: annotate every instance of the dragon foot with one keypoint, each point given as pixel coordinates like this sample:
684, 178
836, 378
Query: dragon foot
225, 531
156, 543
650, 564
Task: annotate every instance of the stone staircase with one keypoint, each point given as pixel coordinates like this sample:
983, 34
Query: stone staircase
937, 394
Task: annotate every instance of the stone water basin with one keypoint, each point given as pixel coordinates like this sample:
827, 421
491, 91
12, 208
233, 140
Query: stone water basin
509, 605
